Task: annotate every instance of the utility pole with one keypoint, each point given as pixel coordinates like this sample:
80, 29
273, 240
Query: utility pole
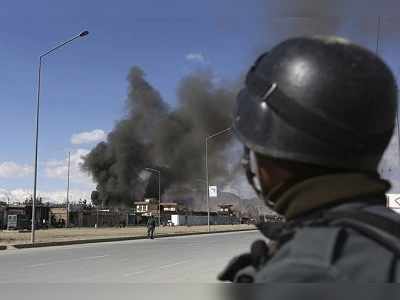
378, 35
159, 192
97, 216
33, 221
206, 158
207, 192
159, 199
69, 167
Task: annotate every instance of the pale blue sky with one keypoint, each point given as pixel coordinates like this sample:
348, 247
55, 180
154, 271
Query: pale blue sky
84, 85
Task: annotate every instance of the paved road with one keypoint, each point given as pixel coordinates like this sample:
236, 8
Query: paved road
165, 260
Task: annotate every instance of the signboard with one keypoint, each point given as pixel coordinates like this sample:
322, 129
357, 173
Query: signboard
393, 202
12, 221
212, 191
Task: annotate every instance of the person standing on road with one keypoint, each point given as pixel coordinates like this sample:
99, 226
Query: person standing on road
315, 118
151, 225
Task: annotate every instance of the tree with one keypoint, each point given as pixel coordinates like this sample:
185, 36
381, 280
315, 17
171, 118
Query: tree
82, 204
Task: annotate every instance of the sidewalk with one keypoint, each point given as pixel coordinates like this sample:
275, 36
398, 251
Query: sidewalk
53, 237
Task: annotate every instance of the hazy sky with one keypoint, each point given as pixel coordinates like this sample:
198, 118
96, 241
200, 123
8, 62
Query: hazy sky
84, 84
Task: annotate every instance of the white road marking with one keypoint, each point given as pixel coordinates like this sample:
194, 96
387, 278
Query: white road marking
68, 260
150, 269
39, 265
95, 257
135, 273
175, 264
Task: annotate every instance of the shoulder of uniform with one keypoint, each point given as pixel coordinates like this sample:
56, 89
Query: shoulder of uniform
327, 253
315, 244
306, 257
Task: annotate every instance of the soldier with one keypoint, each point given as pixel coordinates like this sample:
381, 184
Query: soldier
315, 117
151, 225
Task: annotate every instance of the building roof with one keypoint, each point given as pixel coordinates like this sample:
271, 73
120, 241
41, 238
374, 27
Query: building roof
15, 206
142, 203
162, 203
168, 203
225, 205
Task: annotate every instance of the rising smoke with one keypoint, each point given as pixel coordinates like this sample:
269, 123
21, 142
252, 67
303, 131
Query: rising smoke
172, 139
157, 136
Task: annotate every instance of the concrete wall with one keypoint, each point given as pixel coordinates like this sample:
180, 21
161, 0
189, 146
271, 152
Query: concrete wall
202, 220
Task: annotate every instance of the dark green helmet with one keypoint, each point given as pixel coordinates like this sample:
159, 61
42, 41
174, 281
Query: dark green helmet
322, 101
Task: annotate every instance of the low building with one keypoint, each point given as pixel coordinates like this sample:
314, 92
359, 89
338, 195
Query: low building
147, 207
15, 217
41, 214
58, 216
169, 208
151, 207
225, 209
90, 217
22, 215
202, 219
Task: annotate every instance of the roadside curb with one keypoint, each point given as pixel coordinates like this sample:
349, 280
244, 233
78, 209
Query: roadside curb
115, 239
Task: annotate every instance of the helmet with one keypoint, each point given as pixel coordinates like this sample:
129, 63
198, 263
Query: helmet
322, 101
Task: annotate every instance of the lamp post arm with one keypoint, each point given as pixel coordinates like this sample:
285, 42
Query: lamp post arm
154, 170
218, 133
61, 45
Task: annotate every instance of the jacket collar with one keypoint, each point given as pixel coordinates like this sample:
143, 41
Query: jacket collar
294, 199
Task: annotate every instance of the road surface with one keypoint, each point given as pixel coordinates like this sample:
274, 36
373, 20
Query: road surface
189, 259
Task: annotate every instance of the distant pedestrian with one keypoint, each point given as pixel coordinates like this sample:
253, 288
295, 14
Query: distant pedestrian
151, 225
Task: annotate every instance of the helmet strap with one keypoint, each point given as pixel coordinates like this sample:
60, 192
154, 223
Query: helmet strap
250, 164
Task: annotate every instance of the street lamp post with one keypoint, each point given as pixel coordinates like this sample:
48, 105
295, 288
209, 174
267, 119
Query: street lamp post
69, 166
159, 192
82, 34
206, 156
97, 216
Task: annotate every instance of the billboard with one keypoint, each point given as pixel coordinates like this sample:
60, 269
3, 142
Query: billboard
212, 191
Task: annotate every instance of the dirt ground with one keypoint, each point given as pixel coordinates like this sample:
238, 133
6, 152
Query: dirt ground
52, 235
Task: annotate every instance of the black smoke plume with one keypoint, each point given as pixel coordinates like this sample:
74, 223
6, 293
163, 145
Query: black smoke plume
154, 135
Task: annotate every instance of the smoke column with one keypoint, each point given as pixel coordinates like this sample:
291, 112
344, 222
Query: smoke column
156, 136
